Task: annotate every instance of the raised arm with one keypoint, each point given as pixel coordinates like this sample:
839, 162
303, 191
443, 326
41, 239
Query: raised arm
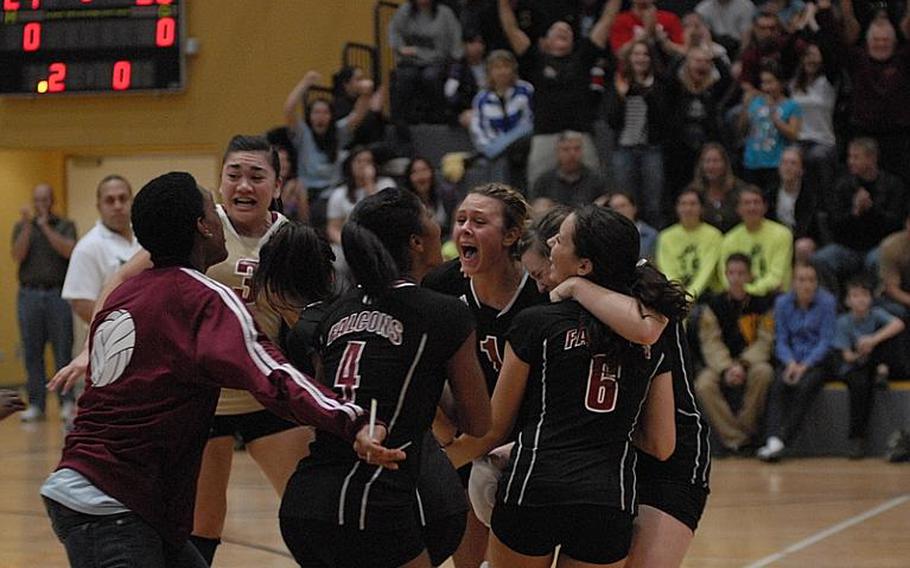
624, 314
507, 398
600, 33
296, 95
62, 244
517, 38
852, 28
361, 105
655, 434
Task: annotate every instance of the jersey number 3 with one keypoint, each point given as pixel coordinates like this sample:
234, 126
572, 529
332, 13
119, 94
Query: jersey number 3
602, 386
347, 377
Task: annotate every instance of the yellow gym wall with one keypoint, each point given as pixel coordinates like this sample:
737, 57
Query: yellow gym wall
251, 53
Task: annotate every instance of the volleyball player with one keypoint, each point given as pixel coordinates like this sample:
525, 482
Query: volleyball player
396, 343
300, 296
672, 493
162, 345
488, 277
570, 478
249, 184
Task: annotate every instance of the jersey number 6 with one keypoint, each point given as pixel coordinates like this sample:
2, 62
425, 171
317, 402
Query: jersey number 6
347, 377
602, 386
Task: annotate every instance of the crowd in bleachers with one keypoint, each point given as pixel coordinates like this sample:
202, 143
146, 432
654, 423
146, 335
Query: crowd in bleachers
743, 138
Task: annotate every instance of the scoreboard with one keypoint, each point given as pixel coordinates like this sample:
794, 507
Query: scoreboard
56, 47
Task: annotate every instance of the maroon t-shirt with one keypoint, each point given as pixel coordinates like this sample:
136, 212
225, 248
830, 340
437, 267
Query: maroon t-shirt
166, 341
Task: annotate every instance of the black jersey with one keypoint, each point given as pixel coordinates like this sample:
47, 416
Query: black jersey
575, 445
393, 350
492, 324
691, 461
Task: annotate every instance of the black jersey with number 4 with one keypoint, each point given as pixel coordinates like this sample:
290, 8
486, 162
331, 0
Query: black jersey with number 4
691, 461
394, 350
492, 324
575, 445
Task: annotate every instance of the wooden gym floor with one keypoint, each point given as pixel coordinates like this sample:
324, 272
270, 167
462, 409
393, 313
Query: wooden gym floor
808, 512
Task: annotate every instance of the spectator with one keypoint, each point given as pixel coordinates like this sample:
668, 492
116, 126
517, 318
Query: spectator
804, 323
860, 336
880, 74
561, 75
869, 204
768, 244
794, 204
688, 251
813, 90
624, 204
719, 188
425, 36
360, 180
894, 271
102, 250
767, 42
502, 120
638, 116
346, 87
696, 33
772, 121
643, 21
571, 182
420, 178
295, 203
736, 332
729, 20
42, 245
467, 76
788, 12
700, 84
320, 139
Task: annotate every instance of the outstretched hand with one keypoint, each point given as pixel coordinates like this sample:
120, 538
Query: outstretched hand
371, 450
9, 403
67, 377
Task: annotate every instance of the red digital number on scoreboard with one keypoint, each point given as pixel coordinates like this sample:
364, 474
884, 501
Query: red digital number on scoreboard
56, 78
122, 75
165, 32
31, 36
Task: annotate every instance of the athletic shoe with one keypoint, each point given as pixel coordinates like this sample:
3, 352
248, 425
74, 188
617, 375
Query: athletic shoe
772, 450
898, 446
32, 414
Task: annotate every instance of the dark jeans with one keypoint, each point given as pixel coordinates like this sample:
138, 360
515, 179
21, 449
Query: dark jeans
417, 94
639, 171
116, 541
44, 317
788, 404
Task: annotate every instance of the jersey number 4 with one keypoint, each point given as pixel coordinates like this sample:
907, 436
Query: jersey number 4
602, 386
347, 377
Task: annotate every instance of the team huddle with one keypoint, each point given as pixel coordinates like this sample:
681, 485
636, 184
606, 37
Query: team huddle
529, 399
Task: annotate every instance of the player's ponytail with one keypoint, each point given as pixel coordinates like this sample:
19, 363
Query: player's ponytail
295, 267
654, 290
376, 239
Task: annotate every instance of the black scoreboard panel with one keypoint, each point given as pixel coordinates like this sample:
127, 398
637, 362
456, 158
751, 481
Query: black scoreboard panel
55, 47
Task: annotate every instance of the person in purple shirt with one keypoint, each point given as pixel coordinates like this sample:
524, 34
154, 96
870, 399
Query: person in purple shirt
161, 348
804, 321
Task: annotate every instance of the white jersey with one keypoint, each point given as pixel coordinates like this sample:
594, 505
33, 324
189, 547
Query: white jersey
236, 272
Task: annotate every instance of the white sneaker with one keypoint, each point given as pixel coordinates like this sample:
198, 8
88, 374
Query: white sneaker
31, 414
772, 449
67, 411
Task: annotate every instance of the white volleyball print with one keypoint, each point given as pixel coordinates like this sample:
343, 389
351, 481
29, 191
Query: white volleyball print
112, 347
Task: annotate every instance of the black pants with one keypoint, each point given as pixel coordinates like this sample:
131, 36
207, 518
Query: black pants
123, 540
788, 404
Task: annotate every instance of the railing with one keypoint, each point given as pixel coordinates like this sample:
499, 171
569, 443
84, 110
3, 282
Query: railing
382, 15
362, 56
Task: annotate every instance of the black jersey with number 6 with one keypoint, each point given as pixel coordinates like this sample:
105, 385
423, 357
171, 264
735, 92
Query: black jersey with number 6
575, 445
492, 324
394, 350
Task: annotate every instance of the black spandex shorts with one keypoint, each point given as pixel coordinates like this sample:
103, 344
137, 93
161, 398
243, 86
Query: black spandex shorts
249, 426
682, 501
588, 533
321, 544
